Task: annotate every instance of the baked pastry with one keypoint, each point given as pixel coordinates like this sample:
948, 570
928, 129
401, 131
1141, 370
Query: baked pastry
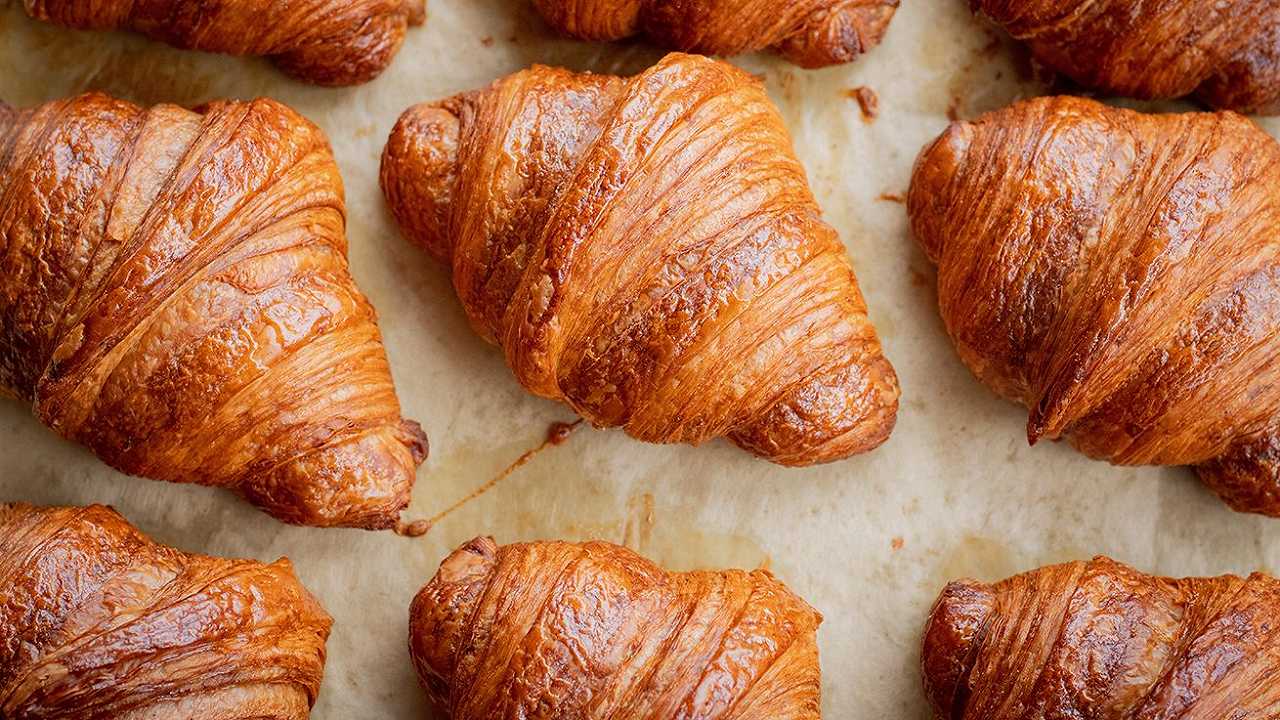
97, 621
594, 631
326, 42
1225, 53
174, 295
648, 251
1098, 640
1115, 273
809, 33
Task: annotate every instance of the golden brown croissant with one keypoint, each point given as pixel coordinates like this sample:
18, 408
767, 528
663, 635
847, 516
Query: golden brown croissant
97, 622
810, 33
1101, 641
1227, 53
594, 631
326, 42
174, 295
1117, 274
648, 251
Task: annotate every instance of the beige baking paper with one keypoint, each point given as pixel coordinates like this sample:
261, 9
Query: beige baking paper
869, 541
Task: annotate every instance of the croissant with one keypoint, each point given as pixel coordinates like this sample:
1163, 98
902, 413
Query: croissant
1116, 273
98, 622
1100, 641
1226, 53
174, 295
648, 251
809, 33
594, 631
326, 42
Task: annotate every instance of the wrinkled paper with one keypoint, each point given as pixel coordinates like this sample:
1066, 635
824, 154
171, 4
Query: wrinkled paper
870, 541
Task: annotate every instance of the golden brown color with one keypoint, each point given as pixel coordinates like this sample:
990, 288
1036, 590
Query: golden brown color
326, 42
1226, 53
174, 295
97, 622
594, 631
810, 33
647, 250
1101, 641
1118, 274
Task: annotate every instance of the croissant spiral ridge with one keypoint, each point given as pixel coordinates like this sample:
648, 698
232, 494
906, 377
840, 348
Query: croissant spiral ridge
1119, 275
1226, 53
1100, 641
325, 42
97, 622
809, 33
648, 251
174, 295
595, 631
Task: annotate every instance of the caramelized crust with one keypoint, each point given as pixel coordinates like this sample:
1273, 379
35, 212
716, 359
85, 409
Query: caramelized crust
1227, 53
647, 250
97, 622
1119, 275
326, 42
174, 295
1101, 641
809, 33
594, 631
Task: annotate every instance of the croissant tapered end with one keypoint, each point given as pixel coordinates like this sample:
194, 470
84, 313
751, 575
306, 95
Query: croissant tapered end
952, 636
593, 630
419, 169
324, 42
934, 169
98, 621
1102, 640
810, 33
648, 251
839, 36
179, 302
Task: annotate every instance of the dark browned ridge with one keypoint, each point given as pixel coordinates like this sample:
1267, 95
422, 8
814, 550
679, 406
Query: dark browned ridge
575, 212
324, 42
175, 297
809, 33
1115, 272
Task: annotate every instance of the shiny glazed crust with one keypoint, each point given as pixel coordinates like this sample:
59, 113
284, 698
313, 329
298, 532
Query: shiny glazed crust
1100, 641
809, 33
174, 295
1226, 53
648, 251
1118, 274
97, 622
326, 42
594, 631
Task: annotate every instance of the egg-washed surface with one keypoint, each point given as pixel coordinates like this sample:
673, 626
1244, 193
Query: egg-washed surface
868, 542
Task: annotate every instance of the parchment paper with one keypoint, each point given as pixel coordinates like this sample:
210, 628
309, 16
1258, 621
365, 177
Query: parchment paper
869, 541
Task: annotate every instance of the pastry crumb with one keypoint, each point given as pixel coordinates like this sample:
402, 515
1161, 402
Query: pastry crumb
868, 101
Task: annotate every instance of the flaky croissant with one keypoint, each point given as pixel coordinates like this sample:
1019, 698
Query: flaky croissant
97, 622
1117, 274
1226, 53
594, 631
326, 42
810, 33
174, 295
1101, 641
648, 251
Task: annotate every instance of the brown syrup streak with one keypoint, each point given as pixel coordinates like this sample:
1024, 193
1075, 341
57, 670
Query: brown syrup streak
557, 434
